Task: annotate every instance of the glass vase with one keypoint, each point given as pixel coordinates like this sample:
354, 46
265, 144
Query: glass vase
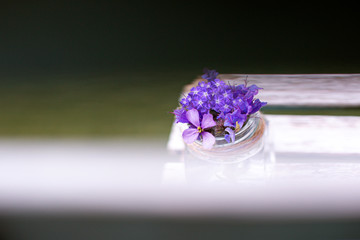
248, 142
246, 160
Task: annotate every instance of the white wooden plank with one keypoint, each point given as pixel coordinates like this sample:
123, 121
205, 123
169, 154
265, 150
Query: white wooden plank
337, 90
303, 134
115, 177
315, 134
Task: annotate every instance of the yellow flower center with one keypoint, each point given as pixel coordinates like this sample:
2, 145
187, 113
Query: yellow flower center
199, 129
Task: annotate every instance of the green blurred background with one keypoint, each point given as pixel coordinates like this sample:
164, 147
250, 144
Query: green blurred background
115, 69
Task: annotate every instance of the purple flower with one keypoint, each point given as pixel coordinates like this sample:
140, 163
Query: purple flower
229, 136
187, 102
196, 129
184, 102
256, 105
201, 104
254, 89
235, 117
217, 83
227, 94
194, 91
217, 102
209, 75
226, 107
204, 95
180, 115
213, 99
242, 105
240, 90
202, 84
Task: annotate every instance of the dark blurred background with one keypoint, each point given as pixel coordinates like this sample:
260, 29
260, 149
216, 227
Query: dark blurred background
115, 68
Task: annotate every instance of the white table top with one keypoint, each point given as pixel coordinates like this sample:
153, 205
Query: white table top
143, 178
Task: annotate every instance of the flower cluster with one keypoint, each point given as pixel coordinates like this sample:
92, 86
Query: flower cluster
212, 99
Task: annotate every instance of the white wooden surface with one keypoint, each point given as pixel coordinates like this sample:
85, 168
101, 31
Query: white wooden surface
114, 177
304, 90
302, 134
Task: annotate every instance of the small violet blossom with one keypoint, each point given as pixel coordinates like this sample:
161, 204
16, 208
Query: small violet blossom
229, 136
180, 115
197, 128
209, 75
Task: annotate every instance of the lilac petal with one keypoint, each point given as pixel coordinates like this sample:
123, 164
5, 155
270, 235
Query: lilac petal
190, 135
255, 89
227, 138
229, 123
243, 106
257, 104
180, 115
229, 120
208, 140
209, 74
239, 117
193, 117
208, 121
231, 133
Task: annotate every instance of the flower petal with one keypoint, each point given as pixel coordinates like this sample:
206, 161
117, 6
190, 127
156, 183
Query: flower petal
231, 133
227, 138
208, 121
256, 105
229, 120
180, 115
190, 135
208, 140
193, 117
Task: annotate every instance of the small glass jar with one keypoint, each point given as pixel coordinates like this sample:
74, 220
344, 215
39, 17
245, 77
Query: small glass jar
246, 160
248, 142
